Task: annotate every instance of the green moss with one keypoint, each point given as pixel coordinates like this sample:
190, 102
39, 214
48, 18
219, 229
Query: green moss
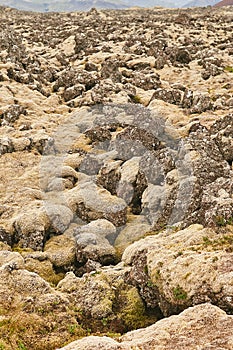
220, 221
156, 276
206, 240
223, 242
179, 293
146, 269
230, 221
178, 254
104, 321
228, 69
28, 330
73, 328
133, 311
136, 99
21, 250
21, 346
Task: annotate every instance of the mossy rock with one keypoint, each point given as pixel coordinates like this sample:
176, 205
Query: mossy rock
132, 311
44, 269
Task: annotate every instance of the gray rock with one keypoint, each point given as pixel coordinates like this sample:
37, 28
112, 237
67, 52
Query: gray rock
72, 92
92, 202
92, 242
170, 96
12, 114
6, 145
110, 69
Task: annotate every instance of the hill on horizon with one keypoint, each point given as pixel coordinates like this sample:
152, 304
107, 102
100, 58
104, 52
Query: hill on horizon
200, 3
224, 3
62, 5
86, 5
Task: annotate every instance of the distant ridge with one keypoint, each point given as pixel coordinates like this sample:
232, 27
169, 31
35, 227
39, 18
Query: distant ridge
86, 5
62, 5
200, 3
224, 3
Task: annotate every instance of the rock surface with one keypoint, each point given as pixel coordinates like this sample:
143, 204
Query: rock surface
116, 150
203, 326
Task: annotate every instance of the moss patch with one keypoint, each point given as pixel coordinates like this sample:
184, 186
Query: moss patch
133, 311
30, 329
228, 69
179, 293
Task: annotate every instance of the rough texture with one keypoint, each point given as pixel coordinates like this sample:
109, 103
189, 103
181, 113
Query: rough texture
201, 327
116, 192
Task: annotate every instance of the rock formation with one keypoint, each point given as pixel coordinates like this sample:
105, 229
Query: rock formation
116, 150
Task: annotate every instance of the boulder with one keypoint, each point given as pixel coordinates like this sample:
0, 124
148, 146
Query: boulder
197, 327
92, 202
175, 270
11, 260
137, 227
60, 250
30, 228
92, 242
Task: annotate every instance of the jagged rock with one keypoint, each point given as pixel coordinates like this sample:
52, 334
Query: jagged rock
21, 144
6, 145
110, 69
201, 104
181, 331
73, 91
102, 343
127, 179
30, 228
11, 260
39, 264
103, 295
86, 294
187, 100
5, 236
90, 66
217, 201
212, 66
174, 277
178, 54
222, 132
135, 229
103, 90
129, 167
22, 283
20, 76
145, 81
41, 142
92, 242
72, 77
91, 164
170, 96
12, 114
134, 141
109, 176
60, 250
160, 61
98, 133
92, 202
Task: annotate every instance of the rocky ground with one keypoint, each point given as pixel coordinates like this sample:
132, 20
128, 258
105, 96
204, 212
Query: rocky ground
116, 151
